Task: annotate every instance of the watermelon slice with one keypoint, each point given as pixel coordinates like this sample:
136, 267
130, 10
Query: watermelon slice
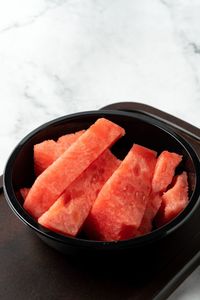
47, 152
69, 212
48, 187
24, 192
174, 200
120, 205
151, 210
164, 170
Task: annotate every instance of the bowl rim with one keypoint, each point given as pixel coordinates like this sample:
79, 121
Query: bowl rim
106, 245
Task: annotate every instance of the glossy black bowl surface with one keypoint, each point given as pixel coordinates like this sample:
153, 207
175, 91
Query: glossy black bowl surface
140, 129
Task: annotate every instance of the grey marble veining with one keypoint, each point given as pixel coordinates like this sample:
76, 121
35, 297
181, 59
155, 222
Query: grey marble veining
63, 56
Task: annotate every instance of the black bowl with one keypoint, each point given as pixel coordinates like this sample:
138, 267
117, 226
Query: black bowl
140, 129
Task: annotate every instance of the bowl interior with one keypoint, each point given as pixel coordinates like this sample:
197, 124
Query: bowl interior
139, 129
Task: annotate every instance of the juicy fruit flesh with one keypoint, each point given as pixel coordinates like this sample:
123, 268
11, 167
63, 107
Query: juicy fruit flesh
151, 210
163, 176
119, 207
165, 170
48, 151
174, 200
119, 200
69, 212
24, 192
62, 172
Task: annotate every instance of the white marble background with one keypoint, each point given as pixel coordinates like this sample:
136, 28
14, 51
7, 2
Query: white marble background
64, 56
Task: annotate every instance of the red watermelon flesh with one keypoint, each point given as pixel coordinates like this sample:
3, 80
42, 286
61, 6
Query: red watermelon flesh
68, 139
24, 192
151, 210
118, 210
174, 200
48, 151
69, 212
164, 170
51, 183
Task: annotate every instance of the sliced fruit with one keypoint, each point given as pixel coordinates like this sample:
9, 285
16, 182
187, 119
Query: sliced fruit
120, 205
59, 175
174, 200
69, 212
47, 152
24, 192
151, 210
164, 170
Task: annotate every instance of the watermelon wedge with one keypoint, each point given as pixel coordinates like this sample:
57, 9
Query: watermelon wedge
69, 212
24, 192
48, 187
174, 200
47, 152
120, 205
151, 210
164, 170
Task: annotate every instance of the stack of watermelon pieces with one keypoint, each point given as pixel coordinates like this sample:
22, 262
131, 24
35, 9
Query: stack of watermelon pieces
81, 186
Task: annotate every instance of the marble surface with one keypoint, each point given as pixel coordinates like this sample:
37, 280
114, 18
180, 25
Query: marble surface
64, 56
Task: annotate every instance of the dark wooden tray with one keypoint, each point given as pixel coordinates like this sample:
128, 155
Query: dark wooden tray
31, 270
